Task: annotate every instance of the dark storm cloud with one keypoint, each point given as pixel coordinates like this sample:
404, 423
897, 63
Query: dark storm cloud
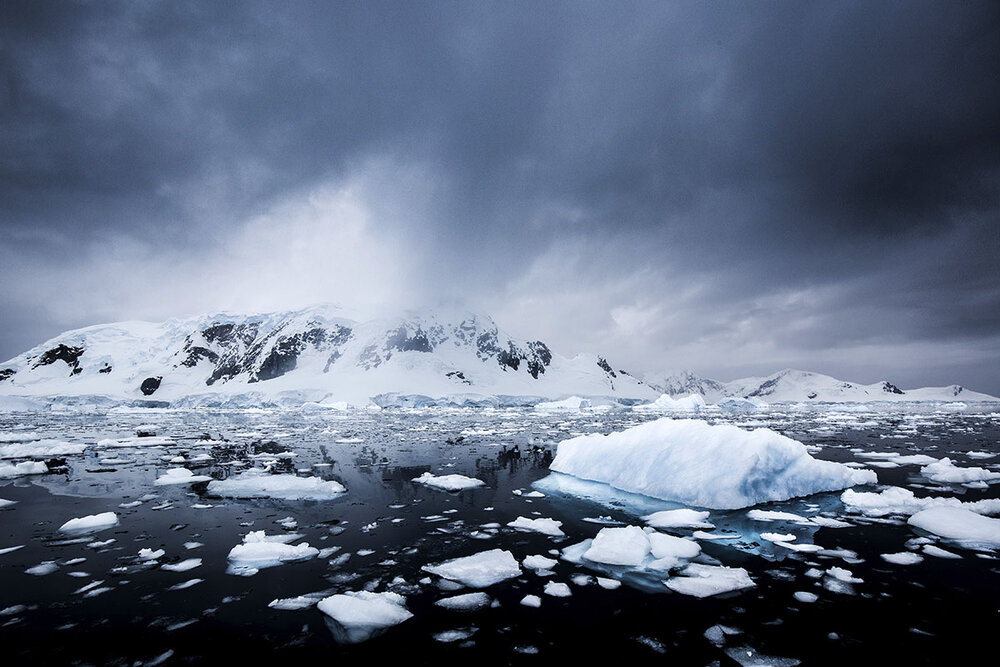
846, 154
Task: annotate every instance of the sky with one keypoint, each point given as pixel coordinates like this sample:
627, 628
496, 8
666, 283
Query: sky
727, 187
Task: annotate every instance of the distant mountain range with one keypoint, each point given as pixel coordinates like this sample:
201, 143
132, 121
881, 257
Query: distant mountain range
318, 354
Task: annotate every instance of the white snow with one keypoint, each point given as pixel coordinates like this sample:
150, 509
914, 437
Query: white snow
91, 523
679, 460
540, 525
362, 614
478, 570
449, 482
180, 476
465, 602
259, 551
705, 580
259, 484
959, 524
679, 518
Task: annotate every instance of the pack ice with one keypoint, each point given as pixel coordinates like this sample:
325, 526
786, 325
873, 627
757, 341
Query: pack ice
694, 463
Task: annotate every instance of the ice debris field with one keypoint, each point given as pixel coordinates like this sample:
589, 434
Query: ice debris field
770, 536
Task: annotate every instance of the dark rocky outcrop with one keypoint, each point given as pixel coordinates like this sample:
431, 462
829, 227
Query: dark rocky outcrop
150, 385
71, 355
890, 388
605, 366
106, 368
6, 373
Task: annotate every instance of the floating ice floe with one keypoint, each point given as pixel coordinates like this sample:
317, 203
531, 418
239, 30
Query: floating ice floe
557, 589
149, 554
478, 570
259, 551
571, 403
679, 518
539, 563
4, 503
359, 615
260, 484
901, 459
679, 461
938, 552
903, 558
667, 403
960, 525
805, 596
632, 550
182, 566
531, 601
91, 523
465, 602
947, 472
41, 448
540, 525
8, 470
297, 602
449, 482
705, 580
897, 500
180, 476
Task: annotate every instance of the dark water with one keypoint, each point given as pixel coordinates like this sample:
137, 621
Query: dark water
935, 612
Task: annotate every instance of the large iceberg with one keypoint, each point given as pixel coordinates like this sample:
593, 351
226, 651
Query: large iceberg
694, 463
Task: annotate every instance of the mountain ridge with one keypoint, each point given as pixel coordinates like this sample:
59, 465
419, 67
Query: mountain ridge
323, 353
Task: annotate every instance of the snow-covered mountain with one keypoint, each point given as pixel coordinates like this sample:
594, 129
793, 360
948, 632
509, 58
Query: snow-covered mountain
316, 353
321, 354
802, 386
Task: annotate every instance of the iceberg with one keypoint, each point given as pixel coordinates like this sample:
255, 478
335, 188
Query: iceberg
694, 463
257, 484
259, 551
666, 403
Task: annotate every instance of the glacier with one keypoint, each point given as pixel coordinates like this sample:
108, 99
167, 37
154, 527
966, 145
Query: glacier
712, 466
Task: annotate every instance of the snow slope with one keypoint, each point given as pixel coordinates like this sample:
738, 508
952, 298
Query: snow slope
316, 354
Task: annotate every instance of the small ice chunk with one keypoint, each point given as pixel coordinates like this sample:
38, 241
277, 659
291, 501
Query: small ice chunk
947, 472
539, 525
531, 601
557, 589
805, 596
960, 525
669, 551
449, 482
149, 554
4, 503
43, 568
608, 584
903, 558
777, 537
449, 636
938, 552
185, 584
90, 524
259, 484
465, 602
179, 476
295, 603
8, 470
704, 580
359, 615
628, 545
841, 574
478, 570
183, 566
259, 551
771, 515
680, 518
538, 562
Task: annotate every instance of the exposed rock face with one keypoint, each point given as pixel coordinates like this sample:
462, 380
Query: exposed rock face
150, 385
71, 355
890, 388
6, 373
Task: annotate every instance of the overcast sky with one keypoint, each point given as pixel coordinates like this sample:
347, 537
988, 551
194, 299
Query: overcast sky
727, 187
